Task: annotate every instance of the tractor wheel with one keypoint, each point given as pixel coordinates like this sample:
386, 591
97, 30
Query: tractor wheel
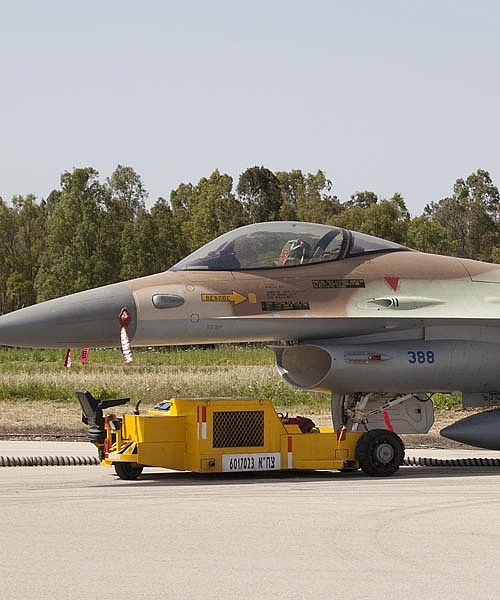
128, 471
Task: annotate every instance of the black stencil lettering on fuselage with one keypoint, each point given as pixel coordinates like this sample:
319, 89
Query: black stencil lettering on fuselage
322, 284
284, 305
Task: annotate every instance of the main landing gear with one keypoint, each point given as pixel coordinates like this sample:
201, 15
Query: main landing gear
379, 452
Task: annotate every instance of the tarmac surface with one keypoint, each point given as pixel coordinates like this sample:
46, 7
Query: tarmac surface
80, 532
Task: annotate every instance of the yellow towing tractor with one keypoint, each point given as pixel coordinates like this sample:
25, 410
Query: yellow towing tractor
228, 435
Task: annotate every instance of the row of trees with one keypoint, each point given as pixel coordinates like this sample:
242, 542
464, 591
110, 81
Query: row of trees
89, 233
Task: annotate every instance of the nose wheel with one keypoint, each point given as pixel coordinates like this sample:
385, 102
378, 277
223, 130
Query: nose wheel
380, 452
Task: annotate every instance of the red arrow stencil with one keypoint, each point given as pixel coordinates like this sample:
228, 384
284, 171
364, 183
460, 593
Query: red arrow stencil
392, 282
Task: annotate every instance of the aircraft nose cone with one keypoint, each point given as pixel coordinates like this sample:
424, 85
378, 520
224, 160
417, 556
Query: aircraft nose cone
85, 319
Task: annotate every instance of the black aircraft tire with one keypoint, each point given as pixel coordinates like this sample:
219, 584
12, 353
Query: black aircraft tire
380, 452
127, 471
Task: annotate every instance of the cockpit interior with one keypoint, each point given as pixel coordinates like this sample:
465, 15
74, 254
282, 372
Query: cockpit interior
282, 244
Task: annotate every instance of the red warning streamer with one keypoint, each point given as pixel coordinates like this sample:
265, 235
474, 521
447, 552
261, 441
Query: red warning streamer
84, 356
341, 433
68, 358
125, 320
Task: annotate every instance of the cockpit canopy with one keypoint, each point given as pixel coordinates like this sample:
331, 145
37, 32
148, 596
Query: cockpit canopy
282, 244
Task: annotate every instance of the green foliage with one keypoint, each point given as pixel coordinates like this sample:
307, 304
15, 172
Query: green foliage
213, 210
388, 219
35, 391
170, 243
428, 236
155, 374
74, 256
283, 396
470, 216
307, 197
88, 233
138, 247
17, 359
7, 251
29, 245
124, 204
447, 401
362, 200
260, 193
103, 392
22, 242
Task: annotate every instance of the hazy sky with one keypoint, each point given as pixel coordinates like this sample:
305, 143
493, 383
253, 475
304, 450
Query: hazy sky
388, 96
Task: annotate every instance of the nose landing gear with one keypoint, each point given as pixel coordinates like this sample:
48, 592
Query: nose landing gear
380, 452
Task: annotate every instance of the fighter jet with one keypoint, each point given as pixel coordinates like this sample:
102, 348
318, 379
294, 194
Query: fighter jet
377, 325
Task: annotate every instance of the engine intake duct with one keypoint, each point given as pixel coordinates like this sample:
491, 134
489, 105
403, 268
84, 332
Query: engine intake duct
303, 366
413, 366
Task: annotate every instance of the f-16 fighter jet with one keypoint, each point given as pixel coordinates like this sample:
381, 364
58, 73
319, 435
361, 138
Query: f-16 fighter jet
375, 324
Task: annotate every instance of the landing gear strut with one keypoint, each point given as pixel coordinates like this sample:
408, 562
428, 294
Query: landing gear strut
379, 452
353, 410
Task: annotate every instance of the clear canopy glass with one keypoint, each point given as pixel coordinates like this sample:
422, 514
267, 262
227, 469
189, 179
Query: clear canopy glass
282, 244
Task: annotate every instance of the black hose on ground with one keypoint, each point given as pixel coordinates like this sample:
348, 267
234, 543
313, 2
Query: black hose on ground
451, 462
48, 461
86, 461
